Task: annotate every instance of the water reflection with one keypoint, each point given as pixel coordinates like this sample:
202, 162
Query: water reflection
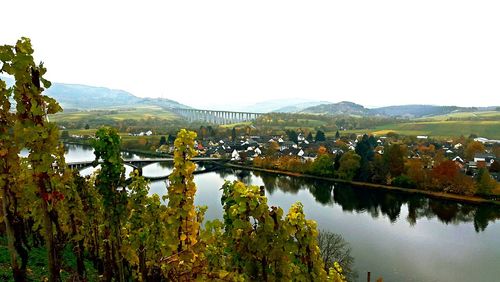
379, 202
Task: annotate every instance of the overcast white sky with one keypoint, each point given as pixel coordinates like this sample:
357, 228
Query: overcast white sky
206, 53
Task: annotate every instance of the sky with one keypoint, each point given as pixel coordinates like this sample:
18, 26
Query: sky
223, 53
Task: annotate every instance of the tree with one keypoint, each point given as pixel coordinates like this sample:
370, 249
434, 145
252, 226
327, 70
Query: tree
394, 159
233, 134
337, 135
415, 171
320, 136
334, 248
473, 148
163, 140
485, 184
292, 136
203, 132
64, 134
365, 150
309, 137
171, 139
349, 165
87, 126
444, 175
322, 166
272, 149
404, 181
495, 166
380, 172
496, 150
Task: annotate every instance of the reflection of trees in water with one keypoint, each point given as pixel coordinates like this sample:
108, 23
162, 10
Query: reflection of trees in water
74, 147
225, 173
269, 181
321, 190
389, 204
289, 184
482, 216
376, 202
244, 176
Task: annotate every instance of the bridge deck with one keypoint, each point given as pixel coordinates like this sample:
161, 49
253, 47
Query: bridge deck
83, 164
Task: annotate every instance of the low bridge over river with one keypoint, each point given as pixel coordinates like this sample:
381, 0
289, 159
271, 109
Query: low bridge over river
216, 117
140, 163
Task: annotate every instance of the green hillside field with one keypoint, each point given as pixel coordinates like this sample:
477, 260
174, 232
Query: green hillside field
488, 129
489, 115
117, 114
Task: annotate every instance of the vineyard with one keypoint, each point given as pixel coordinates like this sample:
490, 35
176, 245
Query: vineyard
114, 228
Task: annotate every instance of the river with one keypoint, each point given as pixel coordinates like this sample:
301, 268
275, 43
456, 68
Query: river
397, 236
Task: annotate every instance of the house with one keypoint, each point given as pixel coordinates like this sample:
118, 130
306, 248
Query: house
287, 145
300, 153
149, 133
235, 156
485, 157
257, 152
310, 156
459, 161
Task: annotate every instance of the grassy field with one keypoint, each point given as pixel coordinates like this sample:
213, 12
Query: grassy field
439, 129
484, 124
117, 114
491, 115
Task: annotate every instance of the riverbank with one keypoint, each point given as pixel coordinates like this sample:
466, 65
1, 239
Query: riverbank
432, 194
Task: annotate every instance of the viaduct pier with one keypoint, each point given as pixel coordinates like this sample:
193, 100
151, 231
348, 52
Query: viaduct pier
216, 117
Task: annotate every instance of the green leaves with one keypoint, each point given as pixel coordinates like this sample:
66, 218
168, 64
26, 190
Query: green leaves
23, 45
45, 189
262, 244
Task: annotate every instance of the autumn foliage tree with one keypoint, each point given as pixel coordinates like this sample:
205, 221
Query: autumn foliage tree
446, 177
473, 148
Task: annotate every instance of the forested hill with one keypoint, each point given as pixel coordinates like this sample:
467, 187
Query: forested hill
84, 97
341, 108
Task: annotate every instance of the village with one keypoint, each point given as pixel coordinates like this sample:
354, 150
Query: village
469, 154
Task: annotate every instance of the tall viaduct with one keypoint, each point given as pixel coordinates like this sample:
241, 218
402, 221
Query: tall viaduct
216, 117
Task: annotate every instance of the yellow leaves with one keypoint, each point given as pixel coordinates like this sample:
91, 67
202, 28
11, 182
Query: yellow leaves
183, 237
223, 274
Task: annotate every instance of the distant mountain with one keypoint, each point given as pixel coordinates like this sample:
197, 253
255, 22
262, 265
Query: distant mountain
407, 111
416, 111
280, 105
299, 107
76, 96
341, 108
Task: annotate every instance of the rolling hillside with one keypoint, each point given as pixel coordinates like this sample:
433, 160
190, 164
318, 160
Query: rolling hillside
403, 111
85, 97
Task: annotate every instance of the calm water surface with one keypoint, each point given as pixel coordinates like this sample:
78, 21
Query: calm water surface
397, 236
